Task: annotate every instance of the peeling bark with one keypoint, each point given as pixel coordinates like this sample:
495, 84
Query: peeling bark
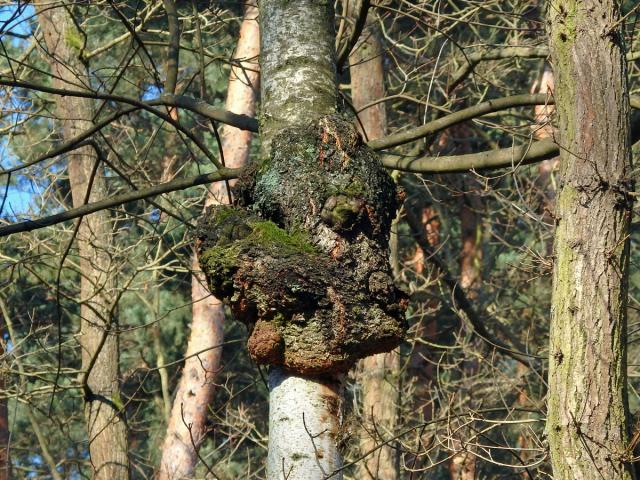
587, 402
196, 387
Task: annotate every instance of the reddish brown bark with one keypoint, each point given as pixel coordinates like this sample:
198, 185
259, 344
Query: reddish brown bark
5, 459
587, 402
379, 372
187, 424
463, 464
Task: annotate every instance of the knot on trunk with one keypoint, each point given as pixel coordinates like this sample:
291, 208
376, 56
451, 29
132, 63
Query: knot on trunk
302, 259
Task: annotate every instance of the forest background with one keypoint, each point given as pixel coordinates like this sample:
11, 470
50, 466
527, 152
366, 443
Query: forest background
464, 396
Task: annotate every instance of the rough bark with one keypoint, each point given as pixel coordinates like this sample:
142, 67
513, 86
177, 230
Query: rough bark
462, 465
587, 402
379, 372
106, 427
5, 459
196, 388
310, 276
312, 282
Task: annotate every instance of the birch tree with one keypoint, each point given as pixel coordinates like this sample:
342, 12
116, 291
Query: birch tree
313, 282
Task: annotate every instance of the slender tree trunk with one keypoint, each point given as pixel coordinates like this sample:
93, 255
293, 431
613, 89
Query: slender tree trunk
196, 388
5, 458
379, 373
298, 86
587, 403
297, 63
107, 431
463, 463
541, 130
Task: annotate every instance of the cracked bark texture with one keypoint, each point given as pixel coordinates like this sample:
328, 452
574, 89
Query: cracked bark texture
378, 373
302, 259
106, 425
312, 282
196, 387
587, 402
5, 436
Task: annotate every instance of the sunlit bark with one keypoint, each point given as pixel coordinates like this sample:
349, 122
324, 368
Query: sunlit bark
587, 424
379, 373
187, 424
104, 410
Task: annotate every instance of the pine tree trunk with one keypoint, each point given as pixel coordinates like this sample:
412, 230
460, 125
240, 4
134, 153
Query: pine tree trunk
106, 424
196, 388
587, 402
5, 458
378, 372
463, 463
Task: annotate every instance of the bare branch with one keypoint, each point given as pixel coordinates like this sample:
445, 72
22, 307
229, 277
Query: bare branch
116, 200
455, 118
492, 159
200, 107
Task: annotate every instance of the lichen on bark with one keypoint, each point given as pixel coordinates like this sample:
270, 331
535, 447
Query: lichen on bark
302, 258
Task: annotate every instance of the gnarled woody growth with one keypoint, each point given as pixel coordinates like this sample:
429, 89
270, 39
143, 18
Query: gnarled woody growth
303, 258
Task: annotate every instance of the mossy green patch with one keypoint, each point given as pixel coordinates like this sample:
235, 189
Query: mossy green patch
73, 38
268, 233
220, 263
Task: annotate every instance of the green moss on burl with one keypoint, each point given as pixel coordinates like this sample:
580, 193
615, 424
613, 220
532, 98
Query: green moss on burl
268, 233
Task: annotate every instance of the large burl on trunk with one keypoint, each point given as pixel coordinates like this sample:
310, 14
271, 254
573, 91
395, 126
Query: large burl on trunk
302, 259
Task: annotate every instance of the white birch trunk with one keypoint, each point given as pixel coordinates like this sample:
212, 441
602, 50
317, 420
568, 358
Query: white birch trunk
299, 85
304, 426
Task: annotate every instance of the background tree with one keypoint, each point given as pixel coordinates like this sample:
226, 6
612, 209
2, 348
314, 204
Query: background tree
188, 422
106, 424
379, 377
588, 425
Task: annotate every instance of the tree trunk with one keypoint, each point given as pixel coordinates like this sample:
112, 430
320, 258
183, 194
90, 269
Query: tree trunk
463, 463
106, 425
379, 372
587, 402
5, 458
310, 276
543, 129
298, 65
304, 424
299, 85
196, 388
